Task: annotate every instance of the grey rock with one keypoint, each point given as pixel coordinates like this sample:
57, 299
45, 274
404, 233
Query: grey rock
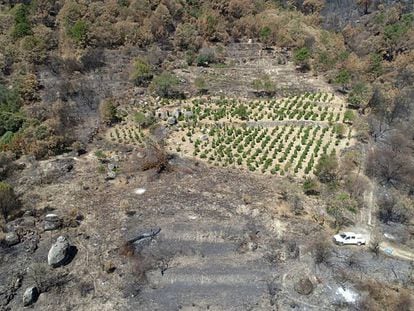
188, 114
52, 222
177, 113
172, 121
58, 252
111, 175
304, 286
112, 166
30, 295
204, 137
12, 238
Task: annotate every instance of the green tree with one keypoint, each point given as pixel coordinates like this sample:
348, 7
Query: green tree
108, 112
166, 85
141, 73
327, 168
11, 118
143, 121
358, 96
8, 200
21, 22
376, 65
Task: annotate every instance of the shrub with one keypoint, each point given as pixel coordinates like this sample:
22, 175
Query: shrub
326, 169
155, 157
357, 98
343, 78
264, 34
205, 58
321, 252
79, 31
11, 118
311, 186
390, 209
141, 73
186, 37
201, 85
301, 57
108, 112
166, 85
21, 23
143, 120
376, 65
8, 200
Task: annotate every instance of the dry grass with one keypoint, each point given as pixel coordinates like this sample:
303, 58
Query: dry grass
382, 297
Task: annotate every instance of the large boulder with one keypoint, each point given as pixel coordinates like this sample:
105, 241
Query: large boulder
52, 222
59, 252
30, 296
304, 286
11, 238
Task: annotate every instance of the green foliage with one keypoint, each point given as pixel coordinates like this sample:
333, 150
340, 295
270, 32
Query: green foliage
141, 73
349, 116
325, 61
6, 138
100, 154
340, 130
143, 120
358, 95
311, 186
343, 77
326, 169
166, 85
21, 23
241, 112
108, 113
265, 33
201, 85
205, 58
376, 65
79, 31
395, 32
8, 200
302, 55
11, 118
264, 84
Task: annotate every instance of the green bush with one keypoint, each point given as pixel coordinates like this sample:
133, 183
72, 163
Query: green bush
21, 23
343, 78
358, 95
143, 120
79, 31
265, 34
349, 116
375, 66
205, 58
11, 118
311, 186
326, 169
108, 113
302, 55
8, 200
141, 73
166, 85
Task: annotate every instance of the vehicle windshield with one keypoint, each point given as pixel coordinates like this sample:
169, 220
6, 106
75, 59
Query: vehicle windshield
342, 235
